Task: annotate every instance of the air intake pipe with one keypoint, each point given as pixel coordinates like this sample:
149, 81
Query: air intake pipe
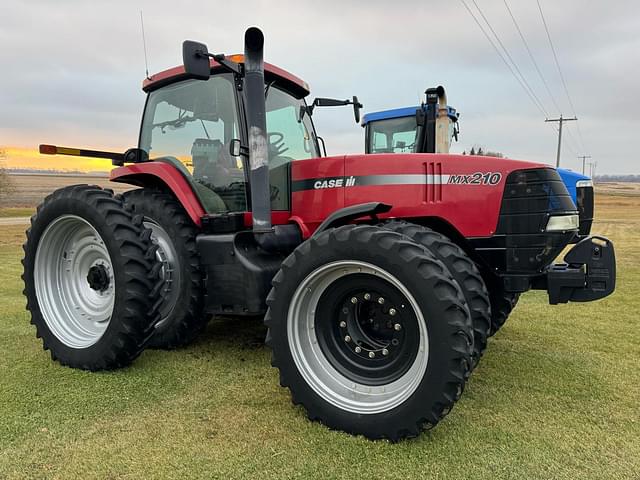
257, 126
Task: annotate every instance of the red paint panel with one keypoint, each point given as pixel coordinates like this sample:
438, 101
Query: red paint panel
135, 175
313, 206
472, 209
179, 70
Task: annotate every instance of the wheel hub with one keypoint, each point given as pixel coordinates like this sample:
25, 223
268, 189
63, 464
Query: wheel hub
98, 278
371, 328
366, 330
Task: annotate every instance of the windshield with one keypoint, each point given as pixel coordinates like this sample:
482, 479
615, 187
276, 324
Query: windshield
291, 138
190, 125
393, 135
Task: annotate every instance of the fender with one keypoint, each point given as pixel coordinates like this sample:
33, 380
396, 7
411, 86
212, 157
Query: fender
157, 173
348, 214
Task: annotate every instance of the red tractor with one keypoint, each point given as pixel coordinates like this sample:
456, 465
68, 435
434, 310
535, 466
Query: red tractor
374, 273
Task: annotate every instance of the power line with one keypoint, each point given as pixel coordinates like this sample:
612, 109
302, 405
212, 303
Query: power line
515, 65
503, 58
555, 57
533, 60
573, 142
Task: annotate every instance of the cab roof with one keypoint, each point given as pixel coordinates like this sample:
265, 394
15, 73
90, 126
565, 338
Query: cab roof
295, 85
401, 112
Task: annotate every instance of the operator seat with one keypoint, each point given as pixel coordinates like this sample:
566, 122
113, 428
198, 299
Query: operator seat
216, 169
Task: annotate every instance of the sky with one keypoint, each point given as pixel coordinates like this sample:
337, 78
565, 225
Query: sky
72, 69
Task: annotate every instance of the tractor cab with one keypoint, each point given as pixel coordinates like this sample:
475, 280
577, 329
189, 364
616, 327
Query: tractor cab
429, 127
198, 126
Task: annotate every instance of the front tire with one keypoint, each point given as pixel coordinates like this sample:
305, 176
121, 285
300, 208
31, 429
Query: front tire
369, 332
181, 311
89, 274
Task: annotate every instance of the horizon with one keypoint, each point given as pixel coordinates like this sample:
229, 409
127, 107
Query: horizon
29, 159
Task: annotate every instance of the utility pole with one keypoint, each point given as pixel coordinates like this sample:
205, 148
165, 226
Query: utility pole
560, 120
583, 157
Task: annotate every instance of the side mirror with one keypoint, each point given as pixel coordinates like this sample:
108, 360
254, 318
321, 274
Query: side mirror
356, 109
332, 102
195, 58
235, 147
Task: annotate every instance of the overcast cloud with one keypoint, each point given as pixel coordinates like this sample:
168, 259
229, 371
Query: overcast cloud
73, 69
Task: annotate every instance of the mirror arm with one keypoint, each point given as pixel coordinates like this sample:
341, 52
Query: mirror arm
233, 67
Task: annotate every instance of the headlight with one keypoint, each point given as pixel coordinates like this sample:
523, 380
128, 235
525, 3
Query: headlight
584, 183
558, 223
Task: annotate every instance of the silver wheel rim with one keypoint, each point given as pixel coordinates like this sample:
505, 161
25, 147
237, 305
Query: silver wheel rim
77, 314
315, 368
169, 272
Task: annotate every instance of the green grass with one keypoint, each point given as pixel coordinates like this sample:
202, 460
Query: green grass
556, 395
16, 212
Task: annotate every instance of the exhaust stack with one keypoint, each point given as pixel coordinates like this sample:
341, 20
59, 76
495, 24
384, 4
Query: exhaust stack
256, 119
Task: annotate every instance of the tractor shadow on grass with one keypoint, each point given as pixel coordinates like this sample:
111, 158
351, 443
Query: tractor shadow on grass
235, 333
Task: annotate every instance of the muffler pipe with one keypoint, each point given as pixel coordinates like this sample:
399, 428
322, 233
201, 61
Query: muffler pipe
257, 126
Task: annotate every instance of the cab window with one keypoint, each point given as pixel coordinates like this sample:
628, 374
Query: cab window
190, 125
394, 135
291, 137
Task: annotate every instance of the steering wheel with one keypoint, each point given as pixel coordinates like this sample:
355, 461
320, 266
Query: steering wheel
276, 144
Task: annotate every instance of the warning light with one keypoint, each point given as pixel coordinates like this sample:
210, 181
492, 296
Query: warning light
48, 149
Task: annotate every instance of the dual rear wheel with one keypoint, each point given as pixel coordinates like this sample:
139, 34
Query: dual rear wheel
107, 276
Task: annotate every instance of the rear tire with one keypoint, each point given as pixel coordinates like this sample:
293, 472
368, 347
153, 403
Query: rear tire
337, 345
182, 317
464, 271
89, 274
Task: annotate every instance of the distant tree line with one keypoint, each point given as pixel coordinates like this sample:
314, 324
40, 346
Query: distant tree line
481, 151
618, 178
6, 184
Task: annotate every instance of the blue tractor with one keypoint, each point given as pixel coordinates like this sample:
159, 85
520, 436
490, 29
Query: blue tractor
430, 127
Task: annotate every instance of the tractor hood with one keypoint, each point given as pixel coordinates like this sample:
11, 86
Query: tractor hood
464, 190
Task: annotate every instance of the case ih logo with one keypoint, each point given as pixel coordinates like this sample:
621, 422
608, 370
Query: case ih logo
335, 182
478, 178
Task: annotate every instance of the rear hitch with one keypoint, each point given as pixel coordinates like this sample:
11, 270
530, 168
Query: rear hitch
588, 274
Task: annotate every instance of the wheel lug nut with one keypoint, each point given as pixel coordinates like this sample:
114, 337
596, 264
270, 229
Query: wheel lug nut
385, 352
392, 311
354, 300
347, 338
367, 296
371, 354
381, 300
358, 349
343, 324
397, 327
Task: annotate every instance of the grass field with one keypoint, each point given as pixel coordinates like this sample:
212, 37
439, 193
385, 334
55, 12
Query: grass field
557, 395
